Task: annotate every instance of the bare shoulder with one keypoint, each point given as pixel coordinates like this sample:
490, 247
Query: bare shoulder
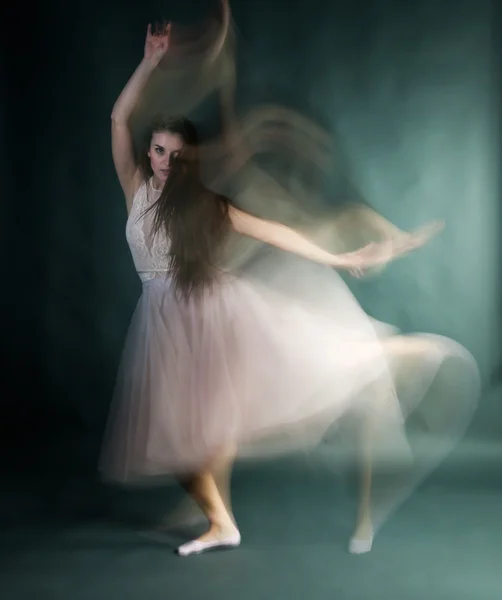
235, 214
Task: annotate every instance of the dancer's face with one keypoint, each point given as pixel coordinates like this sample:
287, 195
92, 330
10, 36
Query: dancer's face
163, 147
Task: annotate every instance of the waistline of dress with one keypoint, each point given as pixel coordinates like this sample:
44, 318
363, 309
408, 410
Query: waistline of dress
226, 277
147, 276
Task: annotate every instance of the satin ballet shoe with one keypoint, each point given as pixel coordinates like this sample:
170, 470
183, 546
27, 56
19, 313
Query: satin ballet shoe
198, 547
360, 545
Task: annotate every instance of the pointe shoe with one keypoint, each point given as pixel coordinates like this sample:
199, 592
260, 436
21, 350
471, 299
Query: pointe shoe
360, 545
198, 547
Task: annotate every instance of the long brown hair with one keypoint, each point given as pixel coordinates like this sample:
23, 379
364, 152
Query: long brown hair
194, 219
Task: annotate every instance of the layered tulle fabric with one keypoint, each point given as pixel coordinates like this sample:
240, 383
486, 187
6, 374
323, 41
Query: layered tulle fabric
250, 366
242, 365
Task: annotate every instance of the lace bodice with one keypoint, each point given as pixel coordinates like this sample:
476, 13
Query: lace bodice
150, 256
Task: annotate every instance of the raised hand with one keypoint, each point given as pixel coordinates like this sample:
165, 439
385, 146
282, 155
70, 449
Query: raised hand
157, 43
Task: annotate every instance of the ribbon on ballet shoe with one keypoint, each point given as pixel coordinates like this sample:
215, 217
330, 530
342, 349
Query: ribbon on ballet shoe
198, 547
360, 546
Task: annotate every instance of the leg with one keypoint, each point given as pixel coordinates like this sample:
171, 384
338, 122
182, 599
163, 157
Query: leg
362, 539
210, 489
189, 511
222, 472
398, 349
205, 488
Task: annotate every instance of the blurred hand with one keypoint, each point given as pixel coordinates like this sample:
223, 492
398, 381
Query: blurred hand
370, 256
157, 43
418, 238
379, 254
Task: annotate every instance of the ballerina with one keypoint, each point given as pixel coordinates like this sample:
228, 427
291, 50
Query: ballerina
215, 364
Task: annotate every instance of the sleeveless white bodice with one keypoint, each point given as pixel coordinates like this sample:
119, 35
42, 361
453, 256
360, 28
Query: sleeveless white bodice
150, 256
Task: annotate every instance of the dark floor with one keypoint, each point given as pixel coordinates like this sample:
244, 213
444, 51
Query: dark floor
79, 540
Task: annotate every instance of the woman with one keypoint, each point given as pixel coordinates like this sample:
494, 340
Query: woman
214, 363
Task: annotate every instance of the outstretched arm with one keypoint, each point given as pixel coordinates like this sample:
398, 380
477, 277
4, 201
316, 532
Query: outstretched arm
288, 239
156, 46
278, 235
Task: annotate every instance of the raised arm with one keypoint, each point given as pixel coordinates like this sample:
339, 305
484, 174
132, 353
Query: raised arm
156, 45
287, 239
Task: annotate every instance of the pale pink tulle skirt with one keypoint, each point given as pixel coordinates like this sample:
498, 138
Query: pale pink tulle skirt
250, 368
243, 366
